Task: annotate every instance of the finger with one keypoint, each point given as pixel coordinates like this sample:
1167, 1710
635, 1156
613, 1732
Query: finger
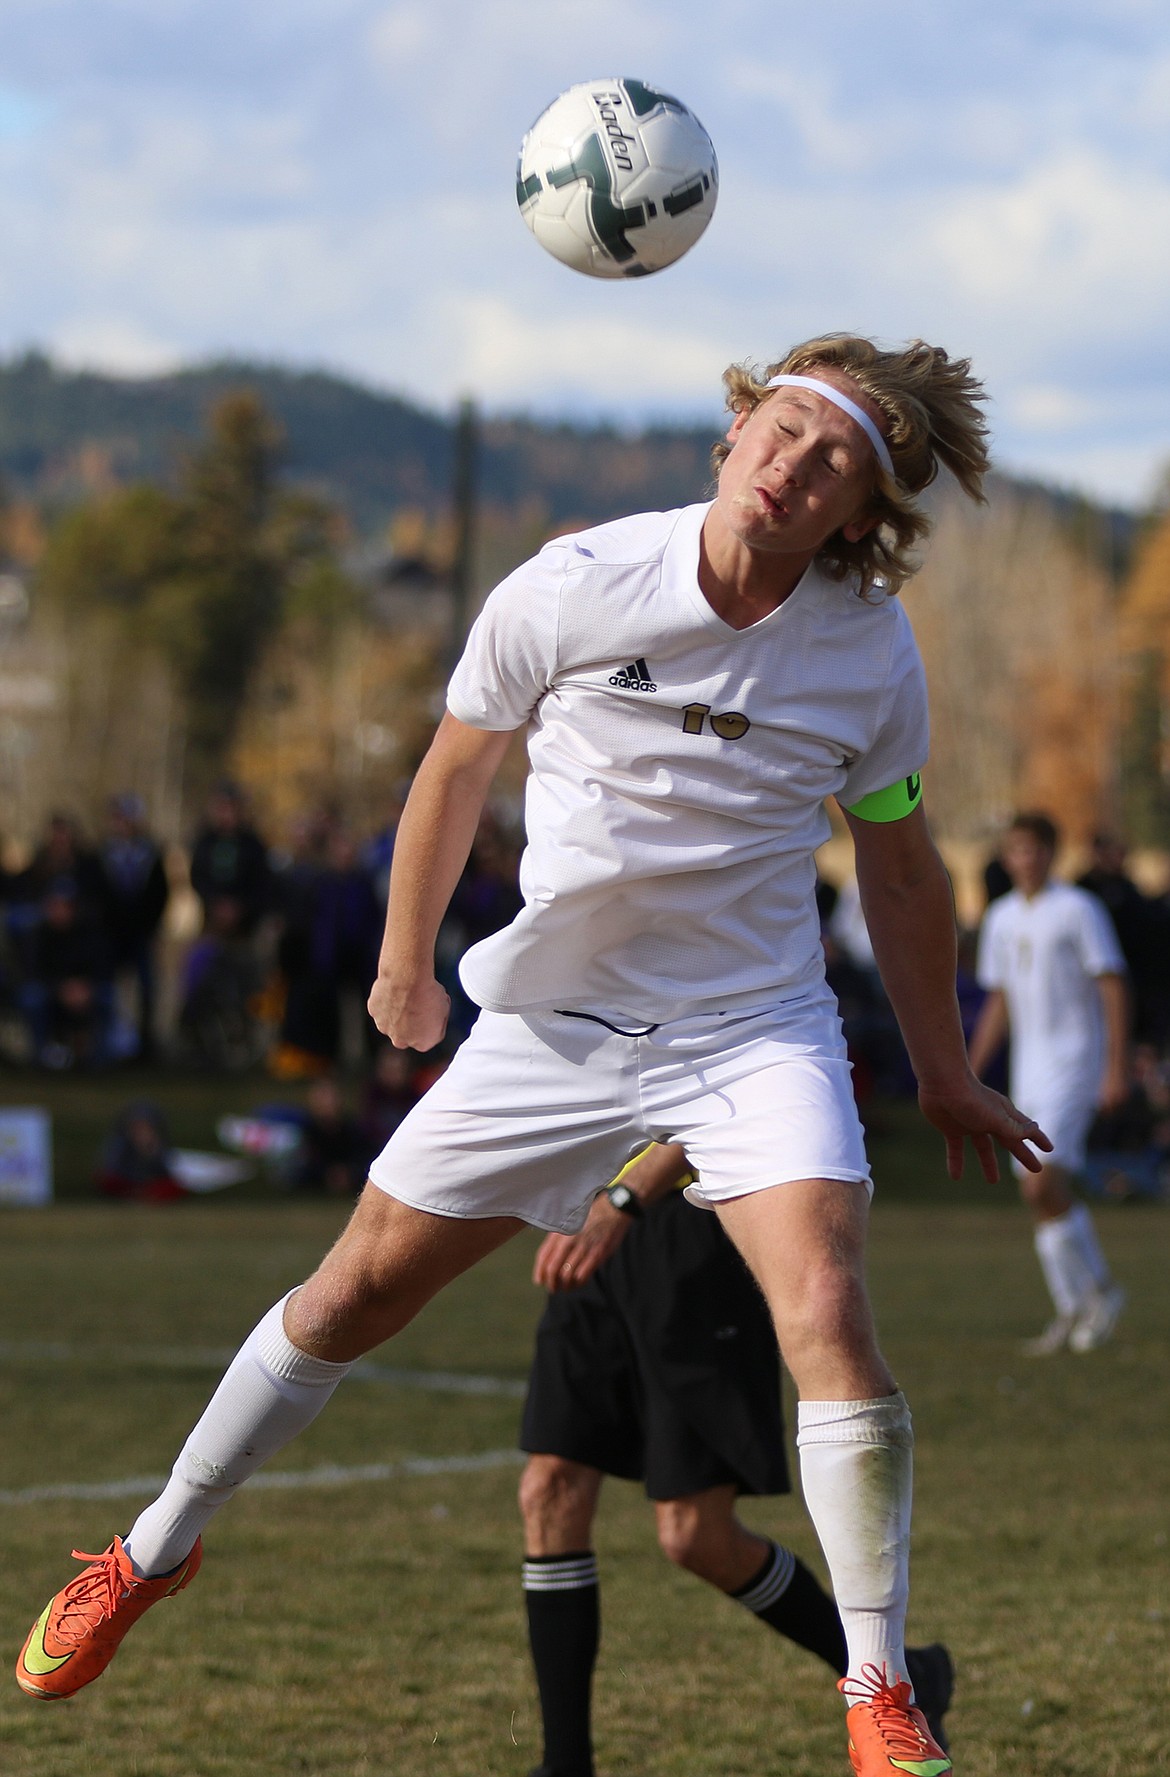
549, 1257
985, 1152
955, 1156
1030, 1133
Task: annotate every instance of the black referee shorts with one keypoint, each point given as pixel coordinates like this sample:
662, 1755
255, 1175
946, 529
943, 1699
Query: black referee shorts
662, 1368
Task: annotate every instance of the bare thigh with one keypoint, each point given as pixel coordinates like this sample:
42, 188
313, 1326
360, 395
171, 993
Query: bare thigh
386, 1265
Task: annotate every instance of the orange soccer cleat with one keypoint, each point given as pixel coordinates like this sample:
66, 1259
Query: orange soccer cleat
78, 1632
887, 1734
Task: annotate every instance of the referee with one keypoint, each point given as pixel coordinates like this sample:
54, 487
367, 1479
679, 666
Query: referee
656, 1361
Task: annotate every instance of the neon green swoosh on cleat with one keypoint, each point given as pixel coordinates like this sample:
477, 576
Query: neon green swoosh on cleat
36, 1660
923, 1767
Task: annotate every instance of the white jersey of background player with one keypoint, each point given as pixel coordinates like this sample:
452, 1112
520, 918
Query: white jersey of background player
1055, 975
691, 687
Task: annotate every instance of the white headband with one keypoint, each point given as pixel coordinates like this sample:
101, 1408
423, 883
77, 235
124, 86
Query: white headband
881, 449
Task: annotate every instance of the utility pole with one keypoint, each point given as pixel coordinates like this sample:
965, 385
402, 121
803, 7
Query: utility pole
463, 499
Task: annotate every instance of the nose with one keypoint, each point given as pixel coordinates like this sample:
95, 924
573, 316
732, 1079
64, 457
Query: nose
791, 463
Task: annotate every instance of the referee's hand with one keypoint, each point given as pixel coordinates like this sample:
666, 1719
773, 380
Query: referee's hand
566, 1261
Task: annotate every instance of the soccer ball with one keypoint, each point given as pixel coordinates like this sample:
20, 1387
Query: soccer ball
616, 179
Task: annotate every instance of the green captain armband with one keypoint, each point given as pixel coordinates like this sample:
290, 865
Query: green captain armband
892, 804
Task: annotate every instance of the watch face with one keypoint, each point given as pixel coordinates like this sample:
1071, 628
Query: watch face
623, 1198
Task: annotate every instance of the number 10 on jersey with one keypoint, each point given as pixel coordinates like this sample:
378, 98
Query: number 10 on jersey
730, 726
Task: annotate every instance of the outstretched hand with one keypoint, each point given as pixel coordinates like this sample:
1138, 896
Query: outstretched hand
973, 1112
566, 1261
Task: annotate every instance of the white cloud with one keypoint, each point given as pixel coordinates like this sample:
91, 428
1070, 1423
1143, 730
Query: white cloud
830, 132
399, 35
1049, 407
515, 357
1077, 237
110, 343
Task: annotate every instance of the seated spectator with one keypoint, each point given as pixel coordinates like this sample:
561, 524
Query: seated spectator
134, 892
67, 995
334, 1153
222, 981
1128, 1147
392, 1089
135, 1165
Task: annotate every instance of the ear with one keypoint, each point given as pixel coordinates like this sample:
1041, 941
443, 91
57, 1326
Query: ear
857, 528
742, 415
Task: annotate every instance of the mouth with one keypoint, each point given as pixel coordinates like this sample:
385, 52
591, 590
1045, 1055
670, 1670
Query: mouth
774, 507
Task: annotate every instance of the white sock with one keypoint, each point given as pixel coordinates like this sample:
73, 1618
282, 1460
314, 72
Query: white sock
856, 1466
1085, 1233
270, 1392
1068, 1276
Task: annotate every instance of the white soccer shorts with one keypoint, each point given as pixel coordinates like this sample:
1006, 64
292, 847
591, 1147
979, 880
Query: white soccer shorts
1064, 1107
538, 1111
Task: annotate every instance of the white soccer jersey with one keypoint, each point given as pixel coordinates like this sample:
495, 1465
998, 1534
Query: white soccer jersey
1045, 954
679, 767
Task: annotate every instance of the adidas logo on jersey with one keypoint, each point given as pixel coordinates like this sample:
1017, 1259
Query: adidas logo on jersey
635, 677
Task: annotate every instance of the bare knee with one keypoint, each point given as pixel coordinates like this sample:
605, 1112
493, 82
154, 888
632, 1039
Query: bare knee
1046, 1193
827, 1335
701, 1534
386, 1265
558, 1499
683, 1536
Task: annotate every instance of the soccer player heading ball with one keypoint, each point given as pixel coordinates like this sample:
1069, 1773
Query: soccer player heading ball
692, 686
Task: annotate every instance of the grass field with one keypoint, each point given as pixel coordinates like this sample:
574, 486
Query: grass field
357, 1628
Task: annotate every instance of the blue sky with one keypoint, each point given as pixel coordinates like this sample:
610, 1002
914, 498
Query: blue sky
330, 182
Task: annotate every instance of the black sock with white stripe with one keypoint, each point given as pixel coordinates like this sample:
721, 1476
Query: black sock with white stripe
788, 1597
563, 1600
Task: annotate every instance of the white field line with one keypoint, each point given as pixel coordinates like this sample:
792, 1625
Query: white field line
215, 1358
328, 1475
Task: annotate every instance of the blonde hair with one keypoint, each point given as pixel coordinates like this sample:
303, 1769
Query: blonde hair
931, 407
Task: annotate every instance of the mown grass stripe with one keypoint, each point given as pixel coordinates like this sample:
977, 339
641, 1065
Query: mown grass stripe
215, 1358
326, 1475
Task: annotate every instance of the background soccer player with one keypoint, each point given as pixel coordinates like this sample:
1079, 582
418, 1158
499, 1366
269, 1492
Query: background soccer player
1052, 965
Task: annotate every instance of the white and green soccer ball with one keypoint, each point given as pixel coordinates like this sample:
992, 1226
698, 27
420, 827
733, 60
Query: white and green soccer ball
616, 178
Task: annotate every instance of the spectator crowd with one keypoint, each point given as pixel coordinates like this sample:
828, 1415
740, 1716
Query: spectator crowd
288, 945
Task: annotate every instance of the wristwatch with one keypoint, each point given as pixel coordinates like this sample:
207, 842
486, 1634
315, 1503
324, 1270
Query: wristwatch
623, 1198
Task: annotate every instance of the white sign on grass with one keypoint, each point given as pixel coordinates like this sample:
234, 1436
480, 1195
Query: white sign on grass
26, 1157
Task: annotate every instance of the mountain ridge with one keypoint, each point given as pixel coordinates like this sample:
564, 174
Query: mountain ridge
64, 434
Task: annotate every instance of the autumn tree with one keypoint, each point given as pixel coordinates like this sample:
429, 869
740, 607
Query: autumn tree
206, 573
1145, 640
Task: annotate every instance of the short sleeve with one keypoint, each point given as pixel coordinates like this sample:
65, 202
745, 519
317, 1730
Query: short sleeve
901, 739
990, 961
1097, 944
510, 657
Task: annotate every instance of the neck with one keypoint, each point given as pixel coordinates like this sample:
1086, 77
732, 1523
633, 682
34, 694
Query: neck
743, 585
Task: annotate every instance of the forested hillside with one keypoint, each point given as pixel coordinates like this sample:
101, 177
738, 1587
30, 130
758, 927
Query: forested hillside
68, 434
